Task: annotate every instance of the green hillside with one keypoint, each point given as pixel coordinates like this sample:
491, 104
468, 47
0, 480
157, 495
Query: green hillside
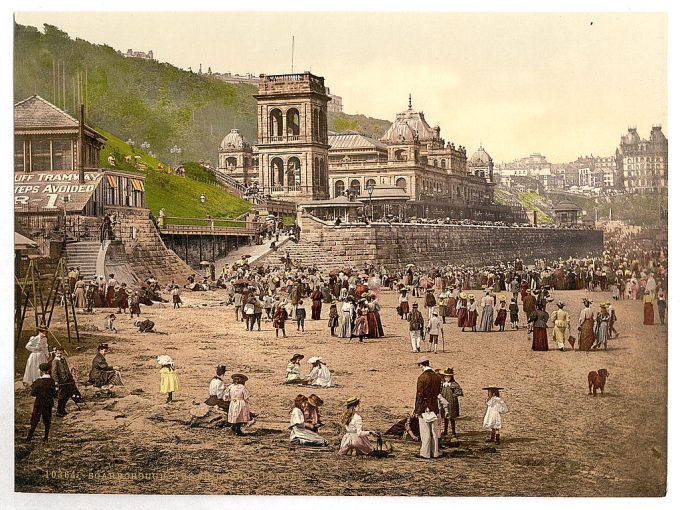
180, 196
143, 100
636, 209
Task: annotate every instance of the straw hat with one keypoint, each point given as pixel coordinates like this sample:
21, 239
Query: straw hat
448, 371
164, 359
314, 400
502, 298
237, 377
314, 359
352, 401
462, 295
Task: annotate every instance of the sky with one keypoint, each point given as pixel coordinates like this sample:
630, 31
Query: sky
563, 85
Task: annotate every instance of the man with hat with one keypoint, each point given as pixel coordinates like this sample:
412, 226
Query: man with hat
44, 390
416, 325
37, 346
63, 378
216, 389
529, 307
426, 409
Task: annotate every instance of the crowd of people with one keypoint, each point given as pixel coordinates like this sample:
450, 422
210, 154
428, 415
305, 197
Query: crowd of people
479, 299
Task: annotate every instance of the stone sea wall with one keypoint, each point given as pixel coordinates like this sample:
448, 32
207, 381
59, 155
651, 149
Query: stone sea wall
396, 245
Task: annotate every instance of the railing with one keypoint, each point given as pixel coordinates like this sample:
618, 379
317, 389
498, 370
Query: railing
207, 226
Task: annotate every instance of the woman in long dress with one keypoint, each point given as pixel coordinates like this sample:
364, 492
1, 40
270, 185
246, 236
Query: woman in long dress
602, 327
347, 311
102, 374
79, 293
37, 345
540, 334
299, 433
355, 438
648, 307
586, 324
486, 323
461, 309
317, 298
561, 321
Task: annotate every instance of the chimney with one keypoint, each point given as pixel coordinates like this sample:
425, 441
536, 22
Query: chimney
81, 146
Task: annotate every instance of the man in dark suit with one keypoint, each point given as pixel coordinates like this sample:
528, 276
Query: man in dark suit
66, 385
44, 390
427, 391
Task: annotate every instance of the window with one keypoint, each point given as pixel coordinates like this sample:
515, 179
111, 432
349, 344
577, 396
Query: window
40, 155
62, 155
355, 185
293, 122
401, 183
339, 188
370, 182
275, 123
293, 173
19, 160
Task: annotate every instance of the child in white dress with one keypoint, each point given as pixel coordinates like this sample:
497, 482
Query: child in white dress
495, 407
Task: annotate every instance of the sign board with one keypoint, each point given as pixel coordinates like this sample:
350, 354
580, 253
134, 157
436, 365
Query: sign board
54, 190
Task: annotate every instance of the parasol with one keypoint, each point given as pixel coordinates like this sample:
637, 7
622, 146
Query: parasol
204, 263
426, 282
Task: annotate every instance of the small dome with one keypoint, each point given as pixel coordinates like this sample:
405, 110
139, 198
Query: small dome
480, 158
400, 132
234, 140
416, 122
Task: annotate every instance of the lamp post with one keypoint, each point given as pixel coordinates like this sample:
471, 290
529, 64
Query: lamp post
370, 188
175, 151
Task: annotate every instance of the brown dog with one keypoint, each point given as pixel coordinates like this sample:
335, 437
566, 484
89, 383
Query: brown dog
596, 381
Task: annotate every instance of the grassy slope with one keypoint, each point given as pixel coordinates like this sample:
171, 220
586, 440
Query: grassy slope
636, 209
180, 196
145, 100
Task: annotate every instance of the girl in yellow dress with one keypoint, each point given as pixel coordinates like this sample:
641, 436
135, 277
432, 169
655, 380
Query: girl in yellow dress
169, 379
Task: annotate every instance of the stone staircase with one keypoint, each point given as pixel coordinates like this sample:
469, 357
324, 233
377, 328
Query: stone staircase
304, 253
83, 254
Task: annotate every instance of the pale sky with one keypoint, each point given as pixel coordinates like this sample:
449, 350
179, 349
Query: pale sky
563, 85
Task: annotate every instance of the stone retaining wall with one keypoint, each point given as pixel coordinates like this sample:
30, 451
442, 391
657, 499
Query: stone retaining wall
396, 245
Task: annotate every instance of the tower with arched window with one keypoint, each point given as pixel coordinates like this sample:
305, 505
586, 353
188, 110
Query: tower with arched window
292, 136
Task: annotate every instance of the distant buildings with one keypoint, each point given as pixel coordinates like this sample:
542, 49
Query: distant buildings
137, 54
642, 165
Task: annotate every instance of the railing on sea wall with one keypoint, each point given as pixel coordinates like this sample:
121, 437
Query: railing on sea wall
207, 226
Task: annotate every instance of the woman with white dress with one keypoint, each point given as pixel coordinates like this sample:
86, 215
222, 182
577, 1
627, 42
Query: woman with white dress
37, 345
346, 316
355, 438
299, 433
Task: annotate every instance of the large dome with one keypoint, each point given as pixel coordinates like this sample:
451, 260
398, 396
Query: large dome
416, 121
234, 140
400, 132
480, 158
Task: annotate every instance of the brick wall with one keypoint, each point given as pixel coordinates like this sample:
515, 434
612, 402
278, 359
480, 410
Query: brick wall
146, 253
397, 245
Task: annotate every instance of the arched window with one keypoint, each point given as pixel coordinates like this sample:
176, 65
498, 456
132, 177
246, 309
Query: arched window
401, 183
293, 173
434, 163
293, 122
316, 174
323, 127
399, 154
231, 163
339, 188
370, 182
315, 125
355, 186
443, 165
276, 172
275, 123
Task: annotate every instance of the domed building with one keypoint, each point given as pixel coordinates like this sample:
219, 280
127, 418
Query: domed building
481, 164
235, 158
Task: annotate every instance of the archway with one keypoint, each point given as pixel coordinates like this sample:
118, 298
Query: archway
401, 183
275, 123
355, 186
293, 122
276, 172
339, 188
293, 173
